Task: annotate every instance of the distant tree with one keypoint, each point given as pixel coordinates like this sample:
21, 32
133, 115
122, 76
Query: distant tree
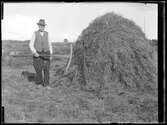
154, 42
66, 40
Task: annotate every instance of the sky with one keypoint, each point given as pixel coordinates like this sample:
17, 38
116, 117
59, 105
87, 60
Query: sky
67, 20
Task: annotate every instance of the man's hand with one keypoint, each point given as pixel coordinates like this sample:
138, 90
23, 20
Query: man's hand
36, 54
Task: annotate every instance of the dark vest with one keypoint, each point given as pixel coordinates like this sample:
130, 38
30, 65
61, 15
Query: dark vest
41, 42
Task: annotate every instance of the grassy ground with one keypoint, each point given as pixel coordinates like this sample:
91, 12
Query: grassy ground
26, 102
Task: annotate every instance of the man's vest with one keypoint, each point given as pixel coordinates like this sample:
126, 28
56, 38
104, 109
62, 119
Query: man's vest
41, 42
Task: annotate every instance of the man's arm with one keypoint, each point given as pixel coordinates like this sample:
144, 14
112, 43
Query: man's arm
31, 44
50, 46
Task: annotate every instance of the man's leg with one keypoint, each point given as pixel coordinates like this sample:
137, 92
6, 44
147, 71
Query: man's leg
37, 63
46, 69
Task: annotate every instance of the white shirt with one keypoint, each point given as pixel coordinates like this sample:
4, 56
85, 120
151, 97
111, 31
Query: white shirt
31, 44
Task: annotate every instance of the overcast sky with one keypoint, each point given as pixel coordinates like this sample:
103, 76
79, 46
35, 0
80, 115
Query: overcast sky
67, 20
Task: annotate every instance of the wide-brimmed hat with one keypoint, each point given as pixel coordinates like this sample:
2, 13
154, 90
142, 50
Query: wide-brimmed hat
41, 22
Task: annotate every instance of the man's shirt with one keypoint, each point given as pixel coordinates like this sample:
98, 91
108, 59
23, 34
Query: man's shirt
31, 44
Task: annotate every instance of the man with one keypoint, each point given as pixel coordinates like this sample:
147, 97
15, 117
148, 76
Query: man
41, 48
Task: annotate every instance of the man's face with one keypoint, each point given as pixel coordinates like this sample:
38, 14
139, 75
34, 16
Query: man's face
41, 27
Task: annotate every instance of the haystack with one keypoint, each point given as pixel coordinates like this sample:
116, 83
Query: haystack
114, 52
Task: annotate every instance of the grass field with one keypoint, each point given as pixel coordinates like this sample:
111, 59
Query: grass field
26, 102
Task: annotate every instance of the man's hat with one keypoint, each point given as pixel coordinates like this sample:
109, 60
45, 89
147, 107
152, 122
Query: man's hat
41, 22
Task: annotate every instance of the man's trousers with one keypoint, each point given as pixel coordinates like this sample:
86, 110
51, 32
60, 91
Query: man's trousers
41, 67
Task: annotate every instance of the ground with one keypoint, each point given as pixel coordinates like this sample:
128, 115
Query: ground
26, 102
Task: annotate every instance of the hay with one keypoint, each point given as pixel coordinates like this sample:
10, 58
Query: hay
113, 51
